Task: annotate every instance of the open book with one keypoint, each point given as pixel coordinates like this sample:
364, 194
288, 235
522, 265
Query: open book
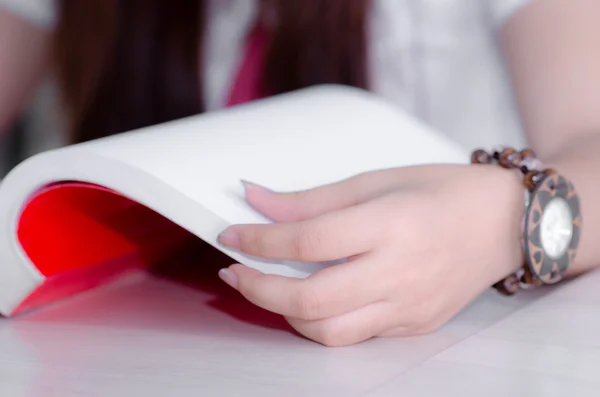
78, 217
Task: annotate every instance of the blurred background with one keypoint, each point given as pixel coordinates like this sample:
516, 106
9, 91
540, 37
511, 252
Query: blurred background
37, 129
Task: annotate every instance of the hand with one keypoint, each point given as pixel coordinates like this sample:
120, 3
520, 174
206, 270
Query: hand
422, 243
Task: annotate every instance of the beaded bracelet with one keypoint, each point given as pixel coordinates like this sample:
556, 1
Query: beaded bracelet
552, 222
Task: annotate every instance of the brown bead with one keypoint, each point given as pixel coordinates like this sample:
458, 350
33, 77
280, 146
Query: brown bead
531, 179
480, 156
527, 154
529, 279
509, 286
509, 158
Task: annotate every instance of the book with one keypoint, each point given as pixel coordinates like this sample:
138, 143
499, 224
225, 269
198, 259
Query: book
81, 216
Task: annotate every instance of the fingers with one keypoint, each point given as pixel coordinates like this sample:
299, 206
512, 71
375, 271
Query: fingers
329, 316
330, 292
347, 322
332, 236
349, 328
297, 206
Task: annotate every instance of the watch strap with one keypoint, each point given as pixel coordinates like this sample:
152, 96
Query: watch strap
541, 186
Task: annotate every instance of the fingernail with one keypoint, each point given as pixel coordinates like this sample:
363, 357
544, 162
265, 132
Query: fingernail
230, 238
229, 277
251, 185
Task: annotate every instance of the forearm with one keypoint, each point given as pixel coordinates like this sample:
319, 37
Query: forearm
552, 50
580, 162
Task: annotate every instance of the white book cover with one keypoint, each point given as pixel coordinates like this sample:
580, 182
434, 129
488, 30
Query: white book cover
77, 217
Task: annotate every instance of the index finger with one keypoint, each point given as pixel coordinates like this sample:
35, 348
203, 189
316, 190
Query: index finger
327, 293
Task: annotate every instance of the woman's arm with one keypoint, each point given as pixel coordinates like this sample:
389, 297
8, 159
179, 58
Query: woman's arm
24, 51
553, 53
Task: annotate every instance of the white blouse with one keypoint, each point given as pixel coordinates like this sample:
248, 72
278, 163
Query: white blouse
438, 59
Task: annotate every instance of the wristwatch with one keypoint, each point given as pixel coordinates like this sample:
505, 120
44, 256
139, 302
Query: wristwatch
551, 223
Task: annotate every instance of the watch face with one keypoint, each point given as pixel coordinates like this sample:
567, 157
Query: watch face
552, 227
556, 229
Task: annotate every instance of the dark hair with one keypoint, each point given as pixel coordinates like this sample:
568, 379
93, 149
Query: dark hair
127, 64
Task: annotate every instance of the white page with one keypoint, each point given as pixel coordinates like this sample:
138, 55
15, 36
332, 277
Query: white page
309, 138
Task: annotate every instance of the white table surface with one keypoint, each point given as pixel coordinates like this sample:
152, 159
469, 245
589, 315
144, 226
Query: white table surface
149, 336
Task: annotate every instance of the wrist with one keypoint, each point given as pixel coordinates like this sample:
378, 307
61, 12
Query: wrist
509, 204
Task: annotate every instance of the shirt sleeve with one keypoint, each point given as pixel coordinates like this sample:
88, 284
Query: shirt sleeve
502, 10
41, 13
